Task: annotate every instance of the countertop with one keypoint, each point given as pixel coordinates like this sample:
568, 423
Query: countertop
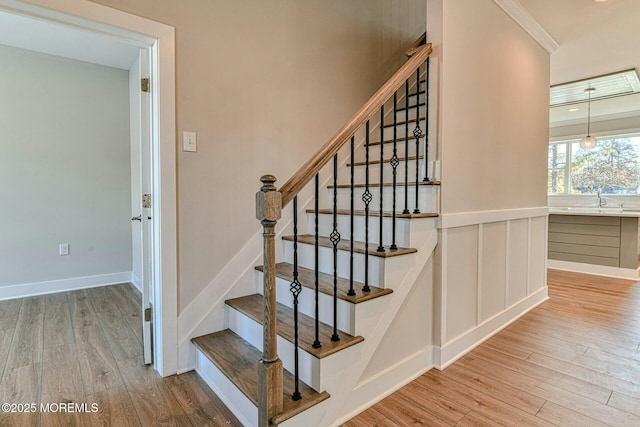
594, 211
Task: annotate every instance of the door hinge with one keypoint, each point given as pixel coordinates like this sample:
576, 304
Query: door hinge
144, 84
146, 200
147, 314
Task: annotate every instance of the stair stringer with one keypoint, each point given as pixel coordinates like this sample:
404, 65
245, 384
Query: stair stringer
342, 385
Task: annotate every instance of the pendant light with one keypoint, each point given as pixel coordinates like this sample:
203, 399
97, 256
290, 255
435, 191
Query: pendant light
589, 142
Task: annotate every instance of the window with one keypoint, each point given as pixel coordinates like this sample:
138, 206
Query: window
612, 167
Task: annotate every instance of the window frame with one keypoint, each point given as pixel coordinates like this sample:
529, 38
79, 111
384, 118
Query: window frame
568, 142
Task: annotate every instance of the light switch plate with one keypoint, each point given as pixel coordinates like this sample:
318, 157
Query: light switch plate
189, 141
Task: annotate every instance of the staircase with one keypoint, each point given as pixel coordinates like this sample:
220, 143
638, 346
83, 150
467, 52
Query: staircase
294, 352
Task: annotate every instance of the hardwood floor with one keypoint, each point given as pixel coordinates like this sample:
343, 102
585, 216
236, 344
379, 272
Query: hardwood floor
572, 361
84, 347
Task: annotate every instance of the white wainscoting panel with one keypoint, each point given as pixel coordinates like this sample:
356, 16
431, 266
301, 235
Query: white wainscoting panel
493, 255
462, 284
493, 270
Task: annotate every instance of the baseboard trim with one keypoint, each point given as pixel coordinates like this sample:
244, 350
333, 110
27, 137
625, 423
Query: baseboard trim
458, 347
377, 387
598, 270
136, 281
42, 288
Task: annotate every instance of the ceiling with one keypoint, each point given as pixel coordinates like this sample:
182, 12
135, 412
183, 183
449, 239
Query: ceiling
61, 40
595, 38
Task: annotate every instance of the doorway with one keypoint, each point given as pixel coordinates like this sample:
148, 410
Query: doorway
158, 40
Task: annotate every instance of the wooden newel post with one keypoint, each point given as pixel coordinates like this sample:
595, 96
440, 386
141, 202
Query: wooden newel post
269, 211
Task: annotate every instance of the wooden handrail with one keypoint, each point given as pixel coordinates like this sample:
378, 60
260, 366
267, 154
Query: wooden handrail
416, 44
302, 177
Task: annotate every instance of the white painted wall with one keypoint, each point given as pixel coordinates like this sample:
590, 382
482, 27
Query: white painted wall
64, 169
411, 331
492, 131
494, 111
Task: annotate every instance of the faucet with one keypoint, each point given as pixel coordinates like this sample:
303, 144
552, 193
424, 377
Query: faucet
601, 200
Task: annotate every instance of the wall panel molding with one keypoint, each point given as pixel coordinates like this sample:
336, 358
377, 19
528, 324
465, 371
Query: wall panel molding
461, 219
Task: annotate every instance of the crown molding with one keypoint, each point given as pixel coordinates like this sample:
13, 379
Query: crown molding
518, 13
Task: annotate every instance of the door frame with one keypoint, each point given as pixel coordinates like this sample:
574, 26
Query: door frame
160, 39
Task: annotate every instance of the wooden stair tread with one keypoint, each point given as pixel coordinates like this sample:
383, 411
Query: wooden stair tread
358, 247
377, 161
376, 213
306, 277
238, 361
252, 306
387, 184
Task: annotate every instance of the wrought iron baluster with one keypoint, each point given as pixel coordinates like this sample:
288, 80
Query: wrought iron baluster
295, 289
381, 246
394, 165
351, 291
426, 122
335, 239
366, 198
316, 342
406, 149
417, 133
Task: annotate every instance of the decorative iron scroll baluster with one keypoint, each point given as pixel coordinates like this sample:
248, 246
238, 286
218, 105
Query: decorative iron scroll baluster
426, 121
316, 342
406, 149
417, 133
335, 239
351, 292
295, 289
381, 246
394, 164
366, 198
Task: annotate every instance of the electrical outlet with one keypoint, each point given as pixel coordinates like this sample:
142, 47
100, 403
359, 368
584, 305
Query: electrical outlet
63, 249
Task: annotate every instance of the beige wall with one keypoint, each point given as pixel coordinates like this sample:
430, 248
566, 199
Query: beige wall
264, 84
495, 115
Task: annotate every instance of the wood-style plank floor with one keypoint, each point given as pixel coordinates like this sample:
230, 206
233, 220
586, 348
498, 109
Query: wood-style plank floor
572, 361
84, 348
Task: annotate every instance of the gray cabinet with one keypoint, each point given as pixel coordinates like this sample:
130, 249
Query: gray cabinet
600, 240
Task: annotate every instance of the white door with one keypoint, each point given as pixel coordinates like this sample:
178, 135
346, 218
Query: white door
142, 198
147, 211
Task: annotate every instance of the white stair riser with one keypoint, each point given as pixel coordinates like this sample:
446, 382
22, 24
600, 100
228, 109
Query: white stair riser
311, 369
306, 258
231, 396
374, 150
307, 304
251, 331
400, 130
427, 201
359, 172
325, 225
402, 114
